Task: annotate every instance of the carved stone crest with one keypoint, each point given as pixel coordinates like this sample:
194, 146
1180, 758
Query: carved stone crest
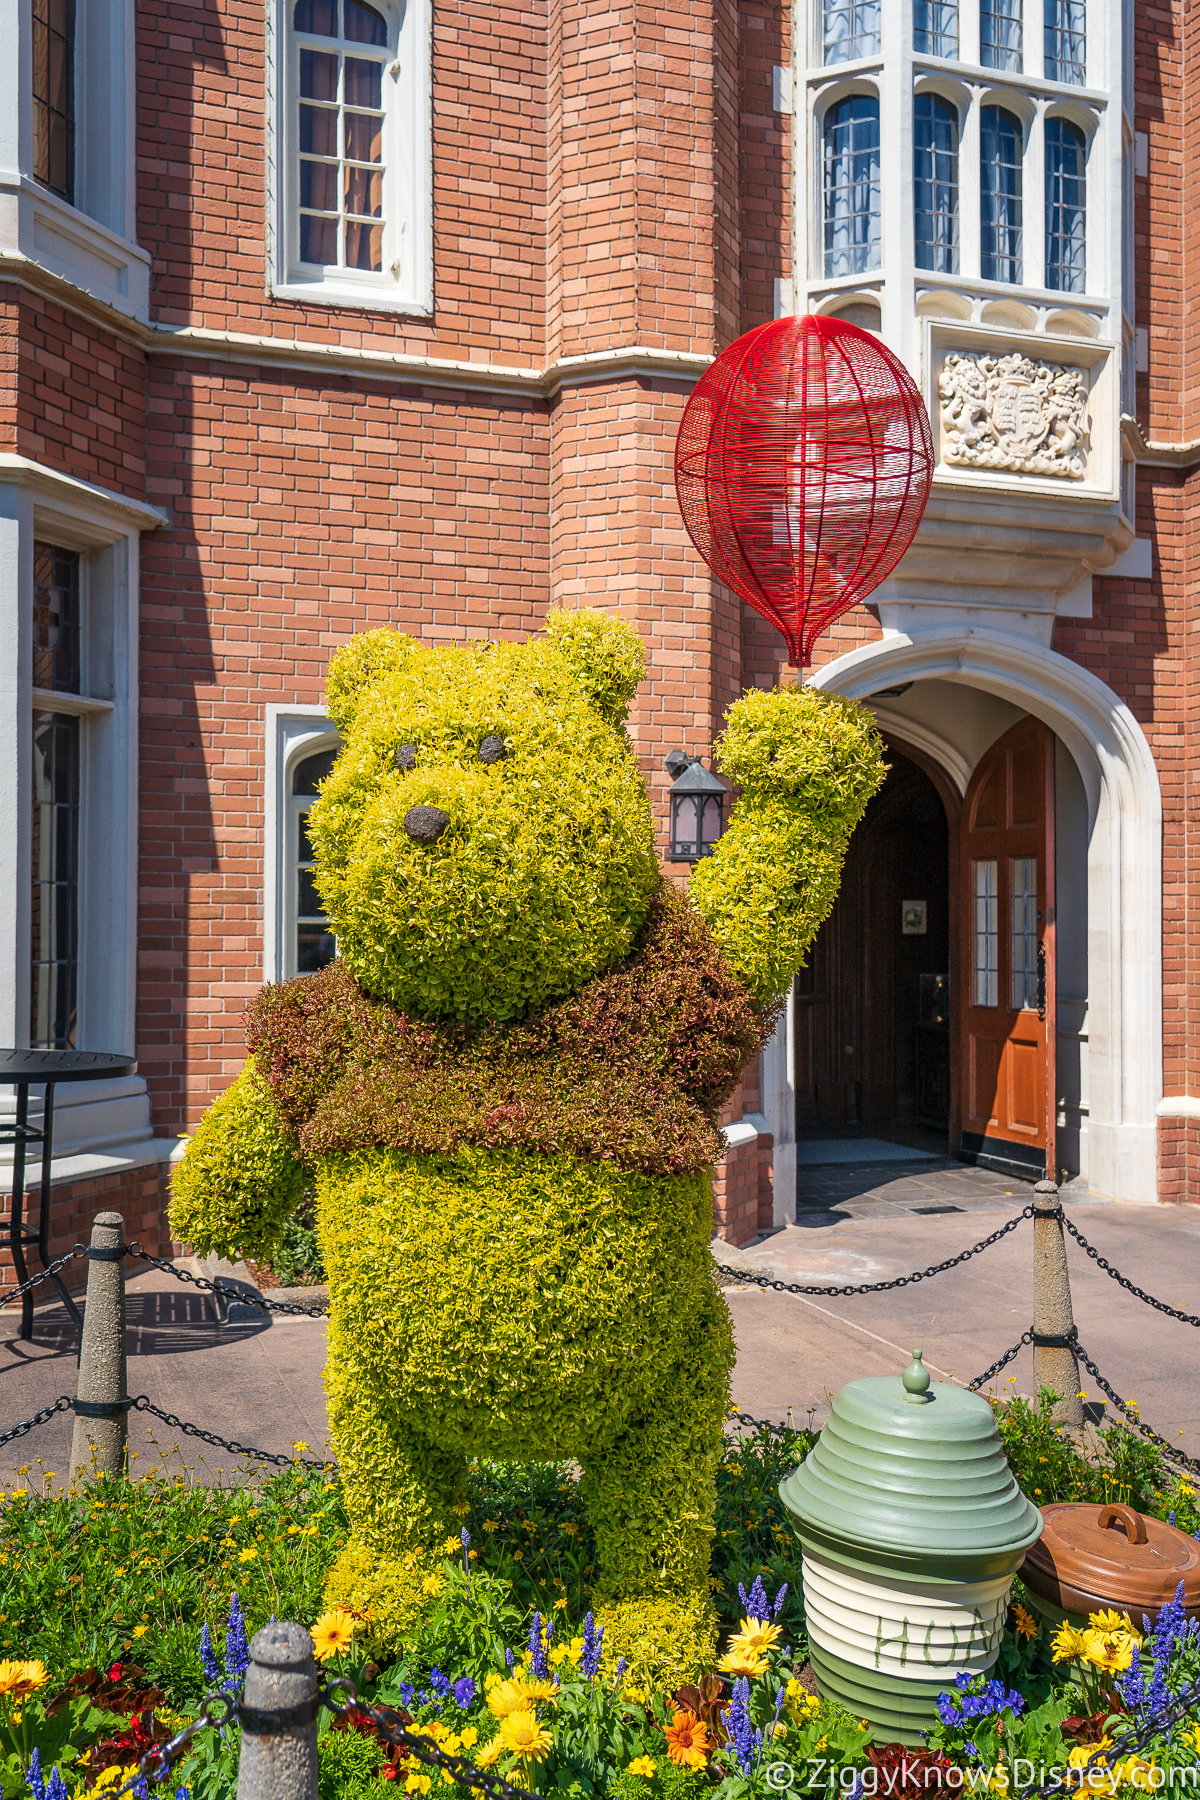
1010, 412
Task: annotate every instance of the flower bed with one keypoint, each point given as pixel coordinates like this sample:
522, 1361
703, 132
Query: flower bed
115, 1618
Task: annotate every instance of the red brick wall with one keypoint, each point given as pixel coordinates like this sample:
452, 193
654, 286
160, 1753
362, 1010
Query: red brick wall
76, 396
139, 1195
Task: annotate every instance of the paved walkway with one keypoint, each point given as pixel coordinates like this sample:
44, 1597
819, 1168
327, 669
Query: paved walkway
261, 1385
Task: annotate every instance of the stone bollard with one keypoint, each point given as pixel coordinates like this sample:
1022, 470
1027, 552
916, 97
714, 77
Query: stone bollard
279, 1717
1054, 1364
98, 1443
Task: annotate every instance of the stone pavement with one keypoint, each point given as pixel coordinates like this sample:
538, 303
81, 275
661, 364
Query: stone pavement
261, 1385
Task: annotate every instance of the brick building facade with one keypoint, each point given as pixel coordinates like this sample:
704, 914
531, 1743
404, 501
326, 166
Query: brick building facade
321, 316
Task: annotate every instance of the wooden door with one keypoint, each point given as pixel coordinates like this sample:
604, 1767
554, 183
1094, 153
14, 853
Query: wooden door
1006, 910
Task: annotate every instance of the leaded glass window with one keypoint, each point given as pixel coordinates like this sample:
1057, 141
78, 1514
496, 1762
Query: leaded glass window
1024, 966
342, 52
852, 200
851, 29
1066, 219
313, 943
986, 932
1065, 36
54, 95
1000, 144
935, 27
935, 183
1000, 34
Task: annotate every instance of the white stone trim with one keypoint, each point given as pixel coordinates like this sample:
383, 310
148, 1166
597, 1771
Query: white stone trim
408, 181
1124, 864
1178, 1106
748, 1128
291, 732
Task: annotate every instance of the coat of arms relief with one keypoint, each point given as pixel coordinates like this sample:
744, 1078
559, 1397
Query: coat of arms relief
1010, 412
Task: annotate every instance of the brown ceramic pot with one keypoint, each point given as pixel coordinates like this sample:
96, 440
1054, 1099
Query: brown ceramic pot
1092, 1557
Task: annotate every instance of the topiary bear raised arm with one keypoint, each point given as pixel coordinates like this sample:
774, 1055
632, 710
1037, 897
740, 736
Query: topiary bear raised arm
505, 1093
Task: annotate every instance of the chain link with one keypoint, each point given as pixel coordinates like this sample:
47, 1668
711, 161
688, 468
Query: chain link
142, 1403
223, 1287
1131, 1412
880, 1287
464, 1773
7, 1296
64, 1403
1130, 1287
158, 1761
1002, 1362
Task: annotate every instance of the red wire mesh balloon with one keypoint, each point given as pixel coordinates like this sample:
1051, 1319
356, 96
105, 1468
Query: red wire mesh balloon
802, 467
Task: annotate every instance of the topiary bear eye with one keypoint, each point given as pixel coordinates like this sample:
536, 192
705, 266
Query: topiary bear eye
406, 756
492, 750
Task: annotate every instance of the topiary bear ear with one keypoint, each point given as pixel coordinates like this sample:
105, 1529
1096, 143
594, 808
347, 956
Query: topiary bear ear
360, 666
605, 656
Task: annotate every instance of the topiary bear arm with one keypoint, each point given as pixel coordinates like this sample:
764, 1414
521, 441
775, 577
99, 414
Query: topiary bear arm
807, 764
241, 1175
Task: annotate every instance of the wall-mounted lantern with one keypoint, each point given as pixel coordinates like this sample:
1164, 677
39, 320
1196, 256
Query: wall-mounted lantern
697, 808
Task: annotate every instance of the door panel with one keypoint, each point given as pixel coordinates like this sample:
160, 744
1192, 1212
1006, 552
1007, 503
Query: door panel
1006, 902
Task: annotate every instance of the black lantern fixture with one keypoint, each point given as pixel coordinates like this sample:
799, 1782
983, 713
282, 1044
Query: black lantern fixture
697, 808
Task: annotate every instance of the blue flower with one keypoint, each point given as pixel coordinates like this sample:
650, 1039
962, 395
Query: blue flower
464, 1692
592, 1641
237, 1650
209, 1662
969, 1749
509, 1658
440, 1683
1132, 1685
744, 1740
407, 1695
33, 1776
537, 1649
780, 1597
755, 1602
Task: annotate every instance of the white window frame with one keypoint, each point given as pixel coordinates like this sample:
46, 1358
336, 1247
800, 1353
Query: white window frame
99, 1126
90, 241
292, 734
405, 284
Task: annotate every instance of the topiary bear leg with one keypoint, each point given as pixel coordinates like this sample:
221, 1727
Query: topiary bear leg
651, 1493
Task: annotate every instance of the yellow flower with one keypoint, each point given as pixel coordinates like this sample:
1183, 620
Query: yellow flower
1098, 1776
298, 1445
1135, 1772
522, 1734
469, 1737
452, 1546
489, 1754
491, 1681
21, 1678
432, 1584
332, 1633
1067, 1644
114, 1777
1114, 1621
1025, 1622
490, 1525
250, 1555
743, 1662
140, 1630
1110, 1650
642, 1765
462, 1509
755, 1636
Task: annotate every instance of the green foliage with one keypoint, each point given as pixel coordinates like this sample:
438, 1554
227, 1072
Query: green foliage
360, 666
753, 1534
135, 1567
348, 1768
598, 1335
297, 1260
241, 1175
604, 654
669, 1782
470, 1623
543, 877
807, 764
58, 1737
1115, 1466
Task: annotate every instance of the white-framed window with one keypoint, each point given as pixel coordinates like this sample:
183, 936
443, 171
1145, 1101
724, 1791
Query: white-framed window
935, 183
935, 27
69, 556
301, 744
1001, 157
68, 196
1066, 205
1000, 38
351, 165
850, 133
849, 29
1065, 41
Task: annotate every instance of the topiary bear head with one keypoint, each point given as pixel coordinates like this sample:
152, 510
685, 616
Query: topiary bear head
484, 843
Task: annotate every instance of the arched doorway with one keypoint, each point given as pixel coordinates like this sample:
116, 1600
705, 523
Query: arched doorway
872, 1019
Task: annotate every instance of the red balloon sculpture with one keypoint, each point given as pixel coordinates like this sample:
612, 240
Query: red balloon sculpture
802, 466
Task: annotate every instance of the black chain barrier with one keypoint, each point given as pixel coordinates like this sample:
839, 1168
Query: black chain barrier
64, 1403
879, 1287
7, 1295
1001, 1362
1130, 1287
143, 1404
422, 1750
1131, 1412
223, 1287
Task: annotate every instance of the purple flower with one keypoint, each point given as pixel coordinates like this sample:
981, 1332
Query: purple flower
208, 1661
237, 1650
33, 1776
465, 1538
755, 1602
1132, 1685
440, 1683
744, 1740
970, 1749
464, 1692
181, 1792
509, 1658
780, 1597
537, 1649
407, 1694
592, 1641
856, 1786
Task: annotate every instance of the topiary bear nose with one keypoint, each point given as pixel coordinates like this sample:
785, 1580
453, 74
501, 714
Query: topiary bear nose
425, 824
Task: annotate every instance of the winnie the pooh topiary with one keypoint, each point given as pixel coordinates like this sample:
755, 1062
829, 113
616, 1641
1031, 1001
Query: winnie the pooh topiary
506, 1091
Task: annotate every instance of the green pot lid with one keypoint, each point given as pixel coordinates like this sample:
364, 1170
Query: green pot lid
911, 1472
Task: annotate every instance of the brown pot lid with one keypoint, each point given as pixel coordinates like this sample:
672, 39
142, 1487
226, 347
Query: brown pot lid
1134, 1562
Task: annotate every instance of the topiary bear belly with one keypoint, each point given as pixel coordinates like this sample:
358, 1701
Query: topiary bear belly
517, 1304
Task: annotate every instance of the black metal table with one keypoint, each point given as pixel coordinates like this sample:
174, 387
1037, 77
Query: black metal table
22, 1069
